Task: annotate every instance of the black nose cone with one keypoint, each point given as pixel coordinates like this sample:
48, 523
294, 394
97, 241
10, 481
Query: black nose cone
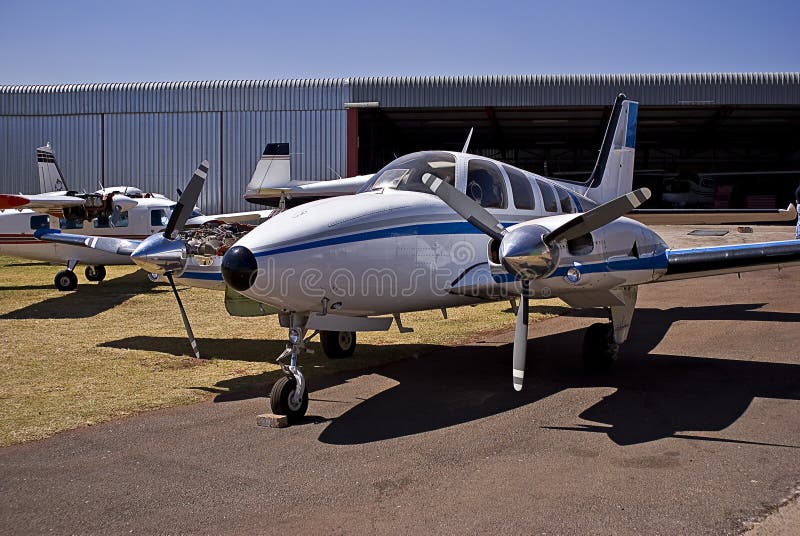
239, 268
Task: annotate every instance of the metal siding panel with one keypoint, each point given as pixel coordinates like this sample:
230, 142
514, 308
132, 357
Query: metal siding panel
75, 140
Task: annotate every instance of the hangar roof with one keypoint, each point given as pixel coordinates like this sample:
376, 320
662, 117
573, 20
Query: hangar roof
706, 89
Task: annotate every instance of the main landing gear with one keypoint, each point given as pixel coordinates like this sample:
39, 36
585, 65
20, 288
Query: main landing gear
95, 273
601, 341
289, 395
66, 280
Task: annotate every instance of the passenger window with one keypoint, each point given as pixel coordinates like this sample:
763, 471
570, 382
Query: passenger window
159, 218
549, 199
122, 220
101, 222
40, 222
485, 184
521, 189
566, 201
65, 223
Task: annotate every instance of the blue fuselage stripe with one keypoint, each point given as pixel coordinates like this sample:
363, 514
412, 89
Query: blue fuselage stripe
210, 276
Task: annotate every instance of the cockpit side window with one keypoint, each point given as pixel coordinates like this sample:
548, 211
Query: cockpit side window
406, 172
521, 189
548, 197
567, 207
485, 184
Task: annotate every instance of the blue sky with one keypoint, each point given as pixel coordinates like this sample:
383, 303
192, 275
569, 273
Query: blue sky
74, 41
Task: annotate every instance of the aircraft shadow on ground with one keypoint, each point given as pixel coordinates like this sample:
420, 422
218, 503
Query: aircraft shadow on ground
88, 300
656, 396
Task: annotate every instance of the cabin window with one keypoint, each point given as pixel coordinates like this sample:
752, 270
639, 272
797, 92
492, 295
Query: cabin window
70, 223
121, 220
583, 245
567, 207
158, 217
521, 189
548, 197
40, 222
485, 184
101, 222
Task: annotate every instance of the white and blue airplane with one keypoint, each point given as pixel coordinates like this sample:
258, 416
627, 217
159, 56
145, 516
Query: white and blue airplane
439, 229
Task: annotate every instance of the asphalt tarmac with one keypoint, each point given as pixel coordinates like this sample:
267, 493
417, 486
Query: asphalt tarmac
697, 431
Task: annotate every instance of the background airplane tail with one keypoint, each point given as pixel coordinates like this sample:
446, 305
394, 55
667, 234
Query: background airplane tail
613, 173
50, 177
272, 172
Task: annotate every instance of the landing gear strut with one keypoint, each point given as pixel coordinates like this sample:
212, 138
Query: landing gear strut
289, 395
95, 273
66, 280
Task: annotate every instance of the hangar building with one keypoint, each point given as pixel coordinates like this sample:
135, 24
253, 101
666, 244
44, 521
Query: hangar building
740, 129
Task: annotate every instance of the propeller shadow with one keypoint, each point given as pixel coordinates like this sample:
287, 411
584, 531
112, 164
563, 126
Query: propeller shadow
89, 300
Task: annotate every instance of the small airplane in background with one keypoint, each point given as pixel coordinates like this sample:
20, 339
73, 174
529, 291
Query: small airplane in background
123, 213
439, 229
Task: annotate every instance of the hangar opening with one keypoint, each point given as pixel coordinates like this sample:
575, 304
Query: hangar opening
692, 155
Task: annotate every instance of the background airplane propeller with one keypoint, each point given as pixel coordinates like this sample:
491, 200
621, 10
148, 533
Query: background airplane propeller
161, 253
526, 252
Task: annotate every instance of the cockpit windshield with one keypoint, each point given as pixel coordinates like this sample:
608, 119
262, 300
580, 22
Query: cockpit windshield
406, 172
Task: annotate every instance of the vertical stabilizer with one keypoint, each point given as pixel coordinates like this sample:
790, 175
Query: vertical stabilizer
613, 173
50, 177
273, 170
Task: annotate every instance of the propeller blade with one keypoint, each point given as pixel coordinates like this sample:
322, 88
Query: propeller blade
598, 216
186, 324
467, 208
466, 143
521, 338
186, 203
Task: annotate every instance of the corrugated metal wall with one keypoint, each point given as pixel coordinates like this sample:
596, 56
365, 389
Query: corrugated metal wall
152, 135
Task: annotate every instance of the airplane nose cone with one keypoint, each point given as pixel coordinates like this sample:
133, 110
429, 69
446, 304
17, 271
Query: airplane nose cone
239, 268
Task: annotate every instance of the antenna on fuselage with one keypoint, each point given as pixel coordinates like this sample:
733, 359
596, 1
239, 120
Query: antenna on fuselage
469, 138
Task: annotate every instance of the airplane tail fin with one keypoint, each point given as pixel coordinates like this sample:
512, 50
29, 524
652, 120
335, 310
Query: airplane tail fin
51, 179
612, 175
272, 173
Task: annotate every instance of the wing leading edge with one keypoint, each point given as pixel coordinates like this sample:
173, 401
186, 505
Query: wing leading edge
702, 262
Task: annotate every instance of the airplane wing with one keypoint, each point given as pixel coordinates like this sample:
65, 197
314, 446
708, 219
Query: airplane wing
307, 189
254, 216
717, 260
39, 202
117, 246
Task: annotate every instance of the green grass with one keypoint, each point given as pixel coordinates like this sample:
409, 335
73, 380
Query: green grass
112, 349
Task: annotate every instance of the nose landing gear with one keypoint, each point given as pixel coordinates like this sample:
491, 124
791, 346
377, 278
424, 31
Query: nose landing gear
289, 395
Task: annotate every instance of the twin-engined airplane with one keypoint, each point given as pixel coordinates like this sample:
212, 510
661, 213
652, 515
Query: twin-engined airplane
440, 229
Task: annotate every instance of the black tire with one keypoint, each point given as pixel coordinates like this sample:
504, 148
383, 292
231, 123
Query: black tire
95, 273
279, 399
338, 344
66, 280
599, 349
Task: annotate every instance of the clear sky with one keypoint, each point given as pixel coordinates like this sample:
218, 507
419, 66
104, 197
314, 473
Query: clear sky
75, 41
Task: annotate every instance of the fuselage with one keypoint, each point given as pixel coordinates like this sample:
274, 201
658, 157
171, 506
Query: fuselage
17, 229
394, 248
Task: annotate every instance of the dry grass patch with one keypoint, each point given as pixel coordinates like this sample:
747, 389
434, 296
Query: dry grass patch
118, 347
